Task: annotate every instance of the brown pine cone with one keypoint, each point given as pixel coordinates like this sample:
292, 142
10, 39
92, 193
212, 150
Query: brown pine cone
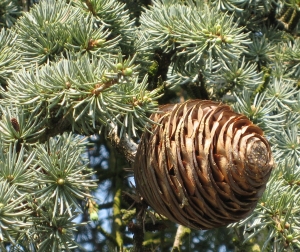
202, 165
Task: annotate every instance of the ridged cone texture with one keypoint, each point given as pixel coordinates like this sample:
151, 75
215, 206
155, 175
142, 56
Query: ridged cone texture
202, 165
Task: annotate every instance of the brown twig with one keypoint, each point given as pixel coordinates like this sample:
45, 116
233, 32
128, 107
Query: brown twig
123, 144
137, 228
25, 5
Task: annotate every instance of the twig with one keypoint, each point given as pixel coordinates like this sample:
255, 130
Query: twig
123, 144
90, 7
107, 235
181, 233
25, 5
138, 237
137, 228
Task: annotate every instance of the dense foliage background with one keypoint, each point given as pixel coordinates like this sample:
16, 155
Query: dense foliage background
79, 80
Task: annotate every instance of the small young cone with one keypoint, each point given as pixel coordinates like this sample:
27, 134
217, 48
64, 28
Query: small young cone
202, 165
15, 124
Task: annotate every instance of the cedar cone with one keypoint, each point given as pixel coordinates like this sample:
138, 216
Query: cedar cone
202, 165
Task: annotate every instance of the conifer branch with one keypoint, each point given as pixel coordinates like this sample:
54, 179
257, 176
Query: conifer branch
71, 69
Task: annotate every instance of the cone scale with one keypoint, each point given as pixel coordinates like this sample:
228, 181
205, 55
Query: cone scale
202, 165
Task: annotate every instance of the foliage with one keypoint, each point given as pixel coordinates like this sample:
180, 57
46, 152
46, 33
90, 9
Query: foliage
72, 69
